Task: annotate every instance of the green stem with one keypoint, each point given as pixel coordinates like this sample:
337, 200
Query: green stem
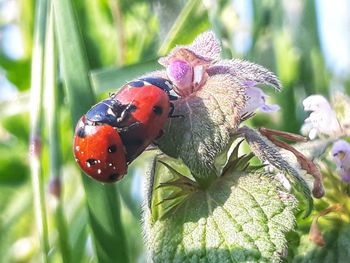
53, 134
36, 115
117, 15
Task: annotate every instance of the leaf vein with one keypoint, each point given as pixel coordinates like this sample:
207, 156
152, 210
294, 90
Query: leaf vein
263, 213
217, 226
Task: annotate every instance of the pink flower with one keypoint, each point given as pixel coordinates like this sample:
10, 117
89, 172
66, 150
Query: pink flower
186, 65
180, 73
341, 155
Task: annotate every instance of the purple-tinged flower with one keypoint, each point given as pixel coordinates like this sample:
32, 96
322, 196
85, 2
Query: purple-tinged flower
256, 99
186, 66
181, 73
322, 119
186, 70
341, 155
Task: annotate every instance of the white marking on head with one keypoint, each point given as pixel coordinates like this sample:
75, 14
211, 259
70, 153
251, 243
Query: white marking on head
110, 112
99, 171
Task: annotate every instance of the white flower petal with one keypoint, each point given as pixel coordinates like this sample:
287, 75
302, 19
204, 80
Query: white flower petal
322, 119
316, 103
313, 134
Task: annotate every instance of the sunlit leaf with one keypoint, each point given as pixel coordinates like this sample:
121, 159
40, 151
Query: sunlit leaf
240, 217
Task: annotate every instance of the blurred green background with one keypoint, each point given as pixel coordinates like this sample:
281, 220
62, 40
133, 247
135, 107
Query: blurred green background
306, 43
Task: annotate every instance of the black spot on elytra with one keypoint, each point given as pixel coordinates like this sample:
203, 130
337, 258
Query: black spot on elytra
81, 132
137, 84
91, 161
113, 177
112, 148
158, 110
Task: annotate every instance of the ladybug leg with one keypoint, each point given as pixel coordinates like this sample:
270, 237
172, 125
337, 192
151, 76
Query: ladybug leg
171, 112
127, 128
172, 97
125, 113
117, 109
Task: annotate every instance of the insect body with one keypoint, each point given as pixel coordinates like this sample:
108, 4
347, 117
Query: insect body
130, 120
150, 108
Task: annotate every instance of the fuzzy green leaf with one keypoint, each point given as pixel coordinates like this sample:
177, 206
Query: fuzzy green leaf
206, 129
266, 151
241, 217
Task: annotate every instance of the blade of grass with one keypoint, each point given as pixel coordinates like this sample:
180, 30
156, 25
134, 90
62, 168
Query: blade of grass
109, 79
185, 18
55, 158
18, 205
78, 233
119, 26
102, 200
36, 114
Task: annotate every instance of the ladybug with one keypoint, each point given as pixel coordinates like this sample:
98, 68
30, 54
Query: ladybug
99, 151
148, 107
138, 111
130, 120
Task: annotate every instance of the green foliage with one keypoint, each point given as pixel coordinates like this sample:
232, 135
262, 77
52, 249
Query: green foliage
337, 248
102, 201
101, 45
240, 217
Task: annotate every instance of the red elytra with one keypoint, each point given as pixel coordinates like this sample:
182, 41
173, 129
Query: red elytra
99, 151
151, 107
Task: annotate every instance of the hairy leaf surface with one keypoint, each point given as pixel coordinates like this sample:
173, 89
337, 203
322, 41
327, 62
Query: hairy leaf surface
241, 217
